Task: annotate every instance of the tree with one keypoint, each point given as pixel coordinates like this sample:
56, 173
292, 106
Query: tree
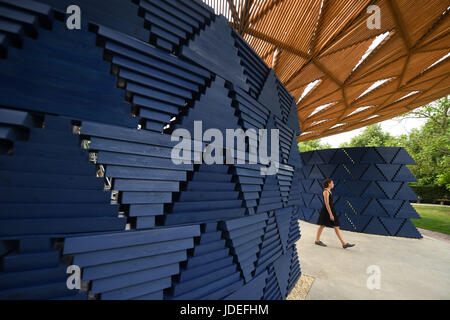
372, 136
312, 145
430, 145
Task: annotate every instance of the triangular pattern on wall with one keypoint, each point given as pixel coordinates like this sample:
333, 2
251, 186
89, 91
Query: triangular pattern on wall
371, 188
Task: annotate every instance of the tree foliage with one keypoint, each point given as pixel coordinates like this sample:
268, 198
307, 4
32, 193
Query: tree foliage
372, 136
312, 145
429, 145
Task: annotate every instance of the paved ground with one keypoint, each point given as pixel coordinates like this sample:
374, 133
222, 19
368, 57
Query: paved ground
410, 268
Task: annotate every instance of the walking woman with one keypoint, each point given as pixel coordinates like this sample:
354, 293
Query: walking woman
328, 216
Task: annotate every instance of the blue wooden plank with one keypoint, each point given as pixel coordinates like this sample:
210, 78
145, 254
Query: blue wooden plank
157, 116
175, 12
203, 216
38, 180
107, 157
161, 75
202, 280
129, 147
9, 280
212, 186
197, 261
129, 238
187, 10
145, 185
166, 16
140, 210
165, 67
126, 253
133, 278
210, 288
202, 248
16, 117
14, 227
252, 290
128, 266
137, 290
14, 262
29, 5
145, 222
35, 244
154, 83
41, 85
125, 134
146, 102
10, 27
151, 51
54, 151
208, 196
39, 292
137, 197
172, 28
167, 36
205, 205
11, 133
144, 173
154, 125
247, 230
118, 14
158, 295
38, 195
56, 210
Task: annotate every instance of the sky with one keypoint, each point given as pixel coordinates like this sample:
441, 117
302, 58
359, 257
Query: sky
394, 126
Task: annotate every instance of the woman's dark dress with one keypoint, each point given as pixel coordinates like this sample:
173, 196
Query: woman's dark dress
324, 216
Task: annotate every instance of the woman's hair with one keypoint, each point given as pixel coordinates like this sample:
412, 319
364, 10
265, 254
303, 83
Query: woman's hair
326, 183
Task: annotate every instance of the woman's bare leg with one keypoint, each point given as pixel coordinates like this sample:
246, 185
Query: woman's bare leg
338, 233
319, 232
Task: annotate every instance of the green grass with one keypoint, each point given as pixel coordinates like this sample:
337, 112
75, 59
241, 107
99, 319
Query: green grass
434, 218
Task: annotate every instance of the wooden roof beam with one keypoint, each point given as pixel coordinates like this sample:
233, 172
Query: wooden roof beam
261, 14
399, 22
244, 15
234, 13
276, 42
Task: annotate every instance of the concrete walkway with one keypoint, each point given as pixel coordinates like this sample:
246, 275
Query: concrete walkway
410, 268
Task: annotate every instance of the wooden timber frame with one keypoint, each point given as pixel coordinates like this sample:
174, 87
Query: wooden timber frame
324, 41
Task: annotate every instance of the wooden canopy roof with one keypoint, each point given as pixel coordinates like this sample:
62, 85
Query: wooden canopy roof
319, 44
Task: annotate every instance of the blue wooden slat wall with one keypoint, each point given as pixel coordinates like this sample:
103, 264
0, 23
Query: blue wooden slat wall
86, 176
371, 190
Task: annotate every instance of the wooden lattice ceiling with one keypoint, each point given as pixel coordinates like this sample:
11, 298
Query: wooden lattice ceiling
322, 41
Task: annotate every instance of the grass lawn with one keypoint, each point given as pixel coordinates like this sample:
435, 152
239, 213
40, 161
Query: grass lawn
434, 218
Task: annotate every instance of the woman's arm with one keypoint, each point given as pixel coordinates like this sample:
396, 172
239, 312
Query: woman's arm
327, 204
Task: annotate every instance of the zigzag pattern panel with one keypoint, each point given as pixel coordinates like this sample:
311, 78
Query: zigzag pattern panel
87, 176
371, 190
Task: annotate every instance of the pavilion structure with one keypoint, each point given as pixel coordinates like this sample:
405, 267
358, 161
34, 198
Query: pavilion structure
344, 71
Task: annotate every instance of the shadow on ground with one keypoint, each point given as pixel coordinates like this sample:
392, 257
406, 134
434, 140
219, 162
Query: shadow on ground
410, 268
